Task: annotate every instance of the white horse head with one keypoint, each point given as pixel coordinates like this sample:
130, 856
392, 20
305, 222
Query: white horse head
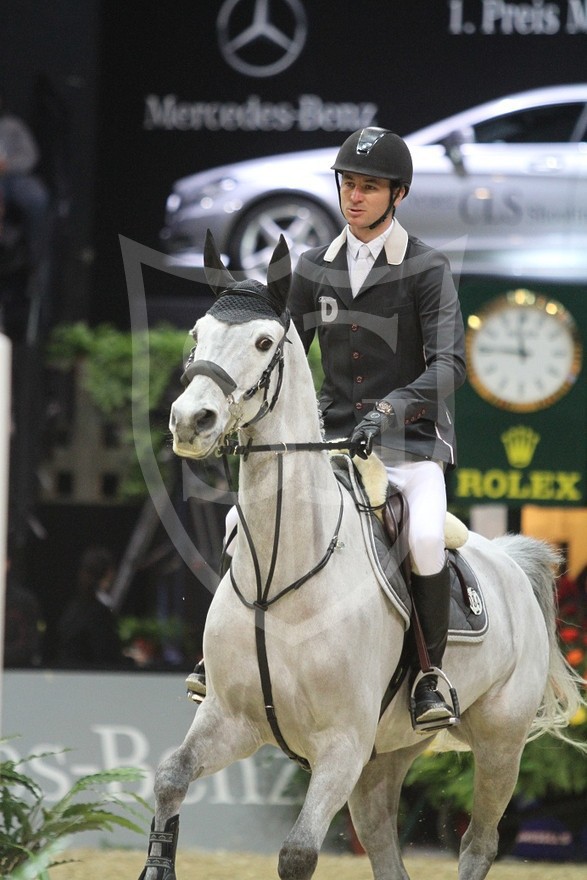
245, 331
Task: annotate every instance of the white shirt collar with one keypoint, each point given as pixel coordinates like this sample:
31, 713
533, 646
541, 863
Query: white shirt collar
396, 244
375, 245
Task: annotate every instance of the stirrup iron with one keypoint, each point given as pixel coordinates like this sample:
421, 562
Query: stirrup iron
439, 724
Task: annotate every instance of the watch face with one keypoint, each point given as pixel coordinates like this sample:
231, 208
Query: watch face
523, 351
384, 407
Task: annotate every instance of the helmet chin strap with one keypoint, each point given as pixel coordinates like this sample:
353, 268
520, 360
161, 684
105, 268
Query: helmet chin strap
384, 216
390, 208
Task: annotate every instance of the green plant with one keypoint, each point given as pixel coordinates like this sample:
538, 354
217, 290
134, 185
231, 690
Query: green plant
315, 362
149, 635
153, 628
127, 376
108, 354
32, 833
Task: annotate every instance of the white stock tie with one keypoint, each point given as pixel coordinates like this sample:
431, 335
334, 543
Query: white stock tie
361, 268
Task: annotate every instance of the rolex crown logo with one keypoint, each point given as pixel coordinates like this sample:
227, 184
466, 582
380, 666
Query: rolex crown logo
520, 443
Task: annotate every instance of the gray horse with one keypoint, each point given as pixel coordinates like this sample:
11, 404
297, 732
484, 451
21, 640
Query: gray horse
302, 609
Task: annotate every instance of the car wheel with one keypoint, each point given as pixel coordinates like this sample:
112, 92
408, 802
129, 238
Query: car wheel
302, 222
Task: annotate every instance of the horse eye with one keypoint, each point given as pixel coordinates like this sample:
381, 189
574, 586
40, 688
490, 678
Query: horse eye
264, 343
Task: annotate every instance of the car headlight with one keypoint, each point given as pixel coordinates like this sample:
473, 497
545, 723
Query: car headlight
173, 203
217, 188
205, 196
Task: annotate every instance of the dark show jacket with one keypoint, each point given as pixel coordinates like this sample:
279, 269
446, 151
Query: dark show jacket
400, 339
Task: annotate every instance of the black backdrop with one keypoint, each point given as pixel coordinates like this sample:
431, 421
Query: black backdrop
414, 61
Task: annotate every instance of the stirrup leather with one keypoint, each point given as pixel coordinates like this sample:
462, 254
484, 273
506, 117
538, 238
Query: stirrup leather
440, 724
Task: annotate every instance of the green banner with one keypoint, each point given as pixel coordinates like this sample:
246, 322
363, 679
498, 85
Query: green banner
522, 414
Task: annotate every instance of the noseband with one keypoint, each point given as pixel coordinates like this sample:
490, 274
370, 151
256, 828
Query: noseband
227, 384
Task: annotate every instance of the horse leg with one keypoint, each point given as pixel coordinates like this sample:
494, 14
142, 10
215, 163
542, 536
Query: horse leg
374, 806
493, 788
333, 778
213, 742
497, 751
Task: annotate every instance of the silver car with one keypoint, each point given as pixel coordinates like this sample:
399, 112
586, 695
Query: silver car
501, 188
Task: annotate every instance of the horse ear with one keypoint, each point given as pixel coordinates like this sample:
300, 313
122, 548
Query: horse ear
279, 275
217, 275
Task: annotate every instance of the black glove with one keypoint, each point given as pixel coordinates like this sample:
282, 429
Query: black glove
373, 425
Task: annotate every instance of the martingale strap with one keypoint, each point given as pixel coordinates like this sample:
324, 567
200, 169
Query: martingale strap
267, 690
263, 603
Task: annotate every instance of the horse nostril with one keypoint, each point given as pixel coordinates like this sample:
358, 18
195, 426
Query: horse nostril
186, 427
204, 420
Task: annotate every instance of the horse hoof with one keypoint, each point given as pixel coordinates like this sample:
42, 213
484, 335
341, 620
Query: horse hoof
297, 862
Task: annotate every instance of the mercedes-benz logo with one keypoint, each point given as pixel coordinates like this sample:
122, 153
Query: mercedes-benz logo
261, 37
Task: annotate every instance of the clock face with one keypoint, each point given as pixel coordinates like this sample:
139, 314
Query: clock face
523, 351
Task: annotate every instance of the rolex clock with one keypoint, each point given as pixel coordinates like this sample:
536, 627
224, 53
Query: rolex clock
523, 351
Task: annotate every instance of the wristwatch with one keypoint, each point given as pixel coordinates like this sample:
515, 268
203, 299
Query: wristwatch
385, 407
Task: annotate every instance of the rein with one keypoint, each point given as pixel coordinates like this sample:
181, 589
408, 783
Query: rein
233, 447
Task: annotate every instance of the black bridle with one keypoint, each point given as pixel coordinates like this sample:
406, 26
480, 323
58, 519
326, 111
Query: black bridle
227, 384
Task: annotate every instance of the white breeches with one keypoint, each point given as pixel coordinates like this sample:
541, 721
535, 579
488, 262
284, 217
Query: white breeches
422, 483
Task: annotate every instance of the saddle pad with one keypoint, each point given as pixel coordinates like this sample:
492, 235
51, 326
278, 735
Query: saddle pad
382, 554
468, 619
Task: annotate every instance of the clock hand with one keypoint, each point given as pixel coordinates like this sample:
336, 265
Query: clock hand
519, 352
522, 351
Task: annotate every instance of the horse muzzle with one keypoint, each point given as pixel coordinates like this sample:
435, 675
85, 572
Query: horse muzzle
196, 432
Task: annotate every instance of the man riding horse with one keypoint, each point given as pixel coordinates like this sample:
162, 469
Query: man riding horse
391, 338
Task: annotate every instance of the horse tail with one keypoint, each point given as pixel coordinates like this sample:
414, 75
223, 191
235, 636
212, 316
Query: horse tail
562, 696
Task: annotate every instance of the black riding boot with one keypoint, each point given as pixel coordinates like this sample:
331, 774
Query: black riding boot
431, 596
196, 683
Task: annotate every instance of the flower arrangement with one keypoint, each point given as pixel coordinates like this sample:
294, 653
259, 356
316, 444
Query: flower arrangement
572, 629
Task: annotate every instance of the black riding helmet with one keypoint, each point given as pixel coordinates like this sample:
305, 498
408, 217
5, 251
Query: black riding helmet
380, 153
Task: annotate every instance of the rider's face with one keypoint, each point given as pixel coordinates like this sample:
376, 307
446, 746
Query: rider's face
364, 200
